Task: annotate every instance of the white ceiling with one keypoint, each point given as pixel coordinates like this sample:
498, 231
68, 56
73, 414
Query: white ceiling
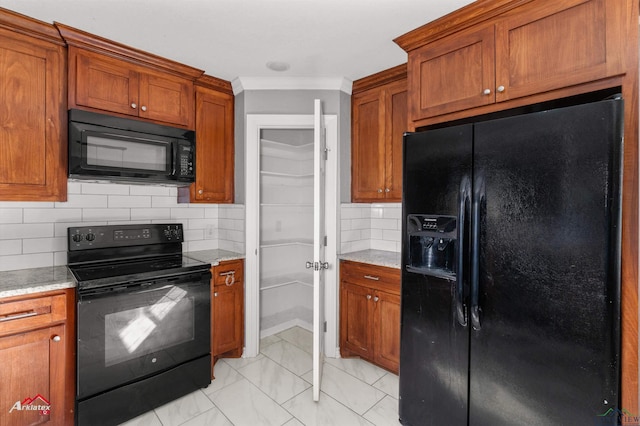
236, 38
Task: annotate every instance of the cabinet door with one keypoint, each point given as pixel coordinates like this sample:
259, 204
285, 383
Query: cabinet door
367, 147
215, 147
227, 316
33, 156
166, 98
549, 45
395, 126
104, 83
356, 335
452, 74
387, 329
33, 368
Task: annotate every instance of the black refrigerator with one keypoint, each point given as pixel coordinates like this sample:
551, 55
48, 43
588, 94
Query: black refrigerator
511, 270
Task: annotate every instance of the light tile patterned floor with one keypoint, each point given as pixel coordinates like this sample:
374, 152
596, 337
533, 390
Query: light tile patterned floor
274, 388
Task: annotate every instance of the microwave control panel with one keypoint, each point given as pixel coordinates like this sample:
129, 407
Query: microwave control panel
185, 160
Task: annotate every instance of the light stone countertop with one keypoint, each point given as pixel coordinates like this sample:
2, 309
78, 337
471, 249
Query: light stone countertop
214, 257
390, 259
35, 280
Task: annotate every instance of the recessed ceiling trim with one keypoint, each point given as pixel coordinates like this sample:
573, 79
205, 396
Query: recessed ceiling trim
291, 83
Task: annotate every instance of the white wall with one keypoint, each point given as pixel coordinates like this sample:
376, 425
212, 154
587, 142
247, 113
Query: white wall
33, 234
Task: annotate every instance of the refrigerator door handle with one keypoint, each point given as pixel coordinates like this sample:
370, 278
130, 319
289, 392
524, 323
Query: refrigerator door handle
464, 202
478, 199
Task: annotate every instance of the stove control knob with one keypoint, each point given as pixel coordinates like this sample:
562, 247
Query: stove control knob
90, 237
77, 238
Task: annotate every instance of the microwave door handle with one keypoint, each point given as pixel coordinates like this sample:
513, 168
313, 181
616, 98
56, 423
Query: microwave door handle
174, 158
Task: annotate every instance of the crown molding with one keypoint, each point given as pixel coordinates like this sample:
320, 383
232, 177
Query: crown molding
291, 83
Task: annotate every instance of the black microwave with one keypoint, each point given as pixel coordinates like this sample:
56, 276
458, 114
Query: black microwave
104, 147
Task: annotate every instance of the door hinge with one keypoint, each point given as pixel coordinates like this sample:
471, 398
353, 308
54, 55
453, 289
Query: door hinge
325, 326
325, 240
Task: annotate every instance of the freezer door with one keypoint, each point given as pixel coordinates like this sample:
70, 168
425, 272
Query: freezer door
545, 338
434, 341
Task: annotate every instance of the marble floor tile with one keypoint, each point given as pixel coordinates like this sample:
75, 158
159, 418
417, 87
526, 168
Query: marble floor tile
213, 417
326, 412
147, 419
298, 336
269, 340
273, 379
364, 371
182, 409
354, 393
389, 384
241, 362
245, 405
225, 375
384, 413
289, 356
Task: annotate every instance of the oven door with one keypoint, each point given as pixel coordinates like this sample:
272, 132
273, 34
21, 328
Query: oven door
133, 331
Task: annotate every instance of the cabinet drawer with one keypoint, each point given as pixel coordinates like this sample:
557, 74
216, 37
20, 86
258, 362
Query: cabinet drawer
227, 273
21, 315
374, 276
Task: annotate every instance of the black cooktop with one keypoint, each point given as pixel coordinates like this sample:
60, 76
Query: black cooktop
110, 255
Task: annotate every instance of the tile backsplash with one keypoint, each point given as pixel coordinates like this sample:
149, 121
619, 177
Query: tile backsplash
33, 234
370, 226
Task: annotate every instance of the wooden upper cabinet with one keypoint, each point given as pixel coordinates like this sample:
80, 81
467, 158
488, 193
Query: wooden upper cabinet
104, 83
378, 120
33, 145
453, 74
214, 144
553, 44
108, 77
494, 51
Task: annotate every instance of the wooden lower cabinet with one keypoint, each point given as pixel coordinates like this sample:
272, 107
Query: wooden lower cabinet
37, 359
227, 311
370, 313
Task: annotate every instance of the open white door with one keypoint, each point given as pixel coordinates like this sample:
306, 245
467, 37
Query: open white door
318, 264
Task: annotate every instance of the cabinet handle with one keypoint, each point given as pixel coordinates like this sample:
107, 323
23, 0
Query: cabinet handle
229, 277
371, 277
368, 297
200, 191
387, 190
56, 338
134, 105
144, 108
500, 89
379, 190
215, 294
375, 299
19, 316
486, 92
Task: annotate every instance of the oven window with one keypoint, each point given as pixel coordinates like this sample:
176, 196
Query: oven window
126, 153
137, 332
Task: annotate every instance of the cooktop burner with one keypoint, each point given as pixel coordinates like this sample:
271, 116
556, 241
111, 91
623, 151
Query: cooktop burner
115, 254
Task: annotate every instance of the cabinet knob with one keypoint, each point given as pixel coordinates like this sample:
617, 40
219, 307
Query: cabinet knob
134, 105
368, 297
379, 190
215, 294
375, 299
144, 108
486, 92
500, 89
200, 191
56, 338
387, 190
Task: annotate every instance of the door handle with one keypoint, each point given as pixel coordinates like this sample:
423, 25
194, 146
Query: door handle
463, 205
478, 200
309, 265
